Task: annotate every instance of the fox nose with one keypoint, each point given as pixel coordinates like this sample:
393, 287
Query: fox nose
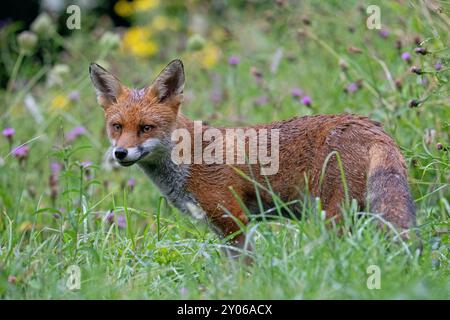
120, 153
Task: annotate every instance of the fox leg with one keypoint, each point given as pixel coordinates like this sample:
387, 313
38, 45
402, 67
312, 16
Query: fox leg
226, 225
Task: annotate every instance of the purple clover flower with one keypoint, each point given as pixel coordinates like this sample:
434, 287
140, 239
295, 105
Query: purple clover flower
352, 87
384, 33
74, 96
406, 56
86, 164
438, 66
296, 92
20, 152
55, 167
131, 182
75, 132
233, 60
121, 221
110, 216
184, 291
306, 100
8, 132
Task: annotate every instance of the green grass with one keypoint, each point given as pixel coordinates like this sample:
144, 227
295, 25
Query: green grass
162, 254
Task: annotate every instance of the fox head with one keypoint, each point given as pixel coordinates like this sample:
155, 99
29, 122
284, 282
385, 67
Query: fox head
138, 121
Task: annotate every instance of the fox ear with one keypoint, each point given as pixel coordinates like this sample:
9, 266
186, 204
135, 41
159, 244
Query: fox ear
170, 82
107, 86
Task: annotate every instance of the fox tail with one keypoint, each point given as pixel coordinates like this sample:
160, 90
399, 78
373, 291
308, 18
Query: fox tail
388, 192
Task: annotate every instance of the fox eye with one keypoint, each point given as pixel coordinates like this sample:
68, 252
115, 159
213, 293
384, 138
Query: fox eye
117, 126
147, 128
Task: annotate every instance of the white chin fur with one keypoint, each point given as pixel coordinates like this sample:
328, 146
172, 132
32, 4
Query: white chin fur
135, 153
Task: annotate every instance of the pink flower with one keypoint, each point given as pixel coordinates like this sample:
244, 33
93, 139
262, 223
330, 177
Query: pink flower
233, 60
307, 101
296, 92
406, 56
55, 167
20, 152
74, 96
8, 132
352, 87
121, 221
131, 182
384, 33
74, 133
86, 164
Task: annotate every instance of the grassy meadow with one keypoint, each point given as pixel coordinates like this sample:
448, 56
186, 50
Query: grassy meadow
246, 62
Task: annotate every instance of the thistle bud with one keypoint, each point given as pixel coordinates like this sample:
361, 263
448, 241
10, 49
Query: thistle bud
416, 70
43, 26
414, 103
195, 43
27, 42
422, 51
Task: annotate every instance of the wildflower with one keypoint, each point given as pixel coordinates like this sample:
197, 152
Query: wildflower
439, 146
296, 92
43, 26
110, 216
384, 33
422, 51
137, 41
56, 75
131, 183
27, 42
210, 55
20, 152
144, 5
184, 291
307, 101
55, 168
86, 164
262, 100
75, 133
416, 70
162, 23
59, 102
8, 132
195, 42
352, 87
438, 66
123, 8
233, 60
74, 96
406, 56
121, 221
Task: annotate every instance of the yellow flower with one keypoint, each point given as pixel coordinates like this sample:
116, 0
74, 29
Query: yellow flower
123, 8
59, 102
144, 5
137, 41
210, 55
162, 23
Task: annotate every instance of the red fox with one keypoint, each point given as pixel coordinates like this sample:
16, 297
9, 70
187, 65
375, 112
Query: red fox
141, 125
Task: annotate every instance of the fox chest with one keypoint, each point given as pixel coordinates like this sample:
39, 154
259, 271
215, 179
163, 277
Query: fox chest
171, 181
